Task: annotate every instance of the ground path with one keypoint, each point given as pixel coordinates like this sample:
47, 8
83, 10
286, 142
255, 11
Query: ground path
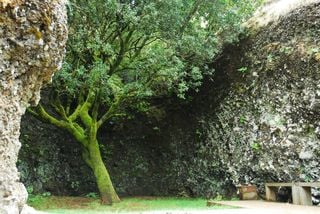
251, 207
272, 207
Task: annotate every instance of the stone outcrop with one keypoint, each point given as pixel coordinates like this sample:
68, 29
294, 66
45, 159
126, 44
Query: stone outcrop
32, 40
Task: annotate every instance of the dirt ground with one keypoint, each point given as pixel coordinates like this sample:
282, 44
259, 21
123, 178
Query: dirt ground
263, 207
252, 207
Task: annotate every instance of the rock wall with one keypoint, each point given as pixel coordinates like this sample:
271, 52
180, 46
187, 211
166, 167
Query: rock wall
32, 40
267, 128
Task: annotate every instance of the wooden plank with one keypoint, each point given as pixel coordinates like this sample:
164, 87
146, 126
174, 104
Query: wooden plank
271, 193
296, 195
303, 184
279, 184
305, 196
301, 195
308, 184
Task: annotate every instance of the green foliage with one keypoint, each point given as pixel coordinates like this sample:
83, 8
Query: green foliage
46, 194
242, 119
243, 69
235, 199
75, 184
256, 146
138, 49
286, 50
313, 50
30, 190
36, 199
270, 57
92, 195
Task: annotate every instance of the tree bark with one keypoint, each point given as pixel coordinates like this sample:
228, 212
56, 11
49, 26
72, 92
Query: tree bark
93, 158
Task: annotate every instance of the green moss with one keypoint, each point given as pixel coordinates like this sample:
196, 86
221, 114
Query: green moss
107, 192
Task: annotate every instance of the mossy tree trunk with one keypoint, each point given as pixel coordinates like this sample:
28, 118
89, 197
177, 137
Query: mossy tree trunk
83, 124
92, 156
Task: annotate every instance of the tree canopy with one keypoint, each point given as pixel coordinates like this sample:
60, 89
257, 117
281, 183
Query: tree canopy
144, 48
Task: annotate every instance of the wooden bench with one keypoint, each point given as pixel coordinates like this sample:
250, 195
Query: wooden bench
301, 192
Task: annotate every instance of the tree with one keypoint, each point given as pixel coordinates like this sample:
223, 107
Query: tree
123, 52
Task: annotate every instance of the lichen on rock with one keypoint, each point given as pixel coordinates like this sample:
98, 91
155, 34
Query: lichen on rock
32, 40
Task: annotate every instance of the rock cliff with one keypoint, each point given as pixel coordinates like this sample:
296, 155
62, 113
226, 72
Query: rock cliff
32, 39
267, 127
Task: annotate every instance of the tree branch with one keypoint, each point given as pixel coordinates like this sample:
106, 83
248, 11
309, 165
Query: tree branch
44, 115
73, 128
59, 108
109, 113
85, 108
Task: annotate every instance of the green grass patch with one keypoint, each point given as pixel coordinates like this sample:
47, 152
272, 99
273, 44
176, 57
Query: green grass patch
73, 205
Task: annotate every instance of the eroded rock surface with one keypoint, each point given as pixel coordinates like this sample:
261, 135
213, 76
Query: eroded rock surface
32, 40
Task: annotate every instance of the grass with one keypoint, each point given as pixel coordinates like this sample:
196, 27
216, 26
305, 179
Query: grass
82, 205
